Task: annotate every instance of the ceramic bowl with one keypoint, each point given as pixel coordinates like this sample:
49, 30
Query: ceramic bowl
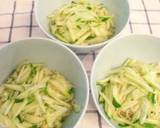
141, 47
119, 9
56, 57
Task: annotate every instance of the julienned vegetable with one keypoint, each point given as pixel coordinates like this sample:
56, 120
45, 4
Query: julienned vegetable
130, 95
81, 23
35, 97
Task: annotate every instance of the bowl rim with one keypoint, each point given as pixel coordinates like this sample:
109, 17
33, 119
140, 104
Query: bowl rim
80, 46
72, 54
107, 120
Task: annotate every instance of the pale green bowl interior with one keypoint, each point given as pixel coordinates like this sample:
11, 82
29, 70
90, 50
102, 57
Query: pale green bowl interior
119, 9
54, 56
141, 47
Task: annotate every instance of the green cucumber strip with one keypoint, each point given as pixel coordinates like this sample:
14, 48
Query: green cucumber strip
152, 97
148, 125
123, 125
116, 103
34, 126
19, 100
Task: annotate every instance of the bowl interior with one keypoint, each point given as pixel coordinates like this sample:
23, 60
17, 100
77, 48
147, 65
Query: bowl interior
54, 56
119, 9
141, 47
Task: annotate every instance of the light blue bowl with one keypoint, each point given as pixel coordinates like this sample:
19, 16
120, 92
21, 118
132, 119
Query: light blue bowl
119, 9
55, 56
141, 47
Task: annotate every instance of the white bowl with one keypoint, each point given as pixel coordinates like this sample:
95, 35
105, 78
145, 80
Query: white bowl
119, 8
141, 47
56, 57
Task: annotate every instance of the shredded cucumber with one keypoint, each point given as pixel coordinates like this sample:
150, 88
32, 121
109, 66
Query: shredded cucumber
130, 94
81, 23
35, 97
